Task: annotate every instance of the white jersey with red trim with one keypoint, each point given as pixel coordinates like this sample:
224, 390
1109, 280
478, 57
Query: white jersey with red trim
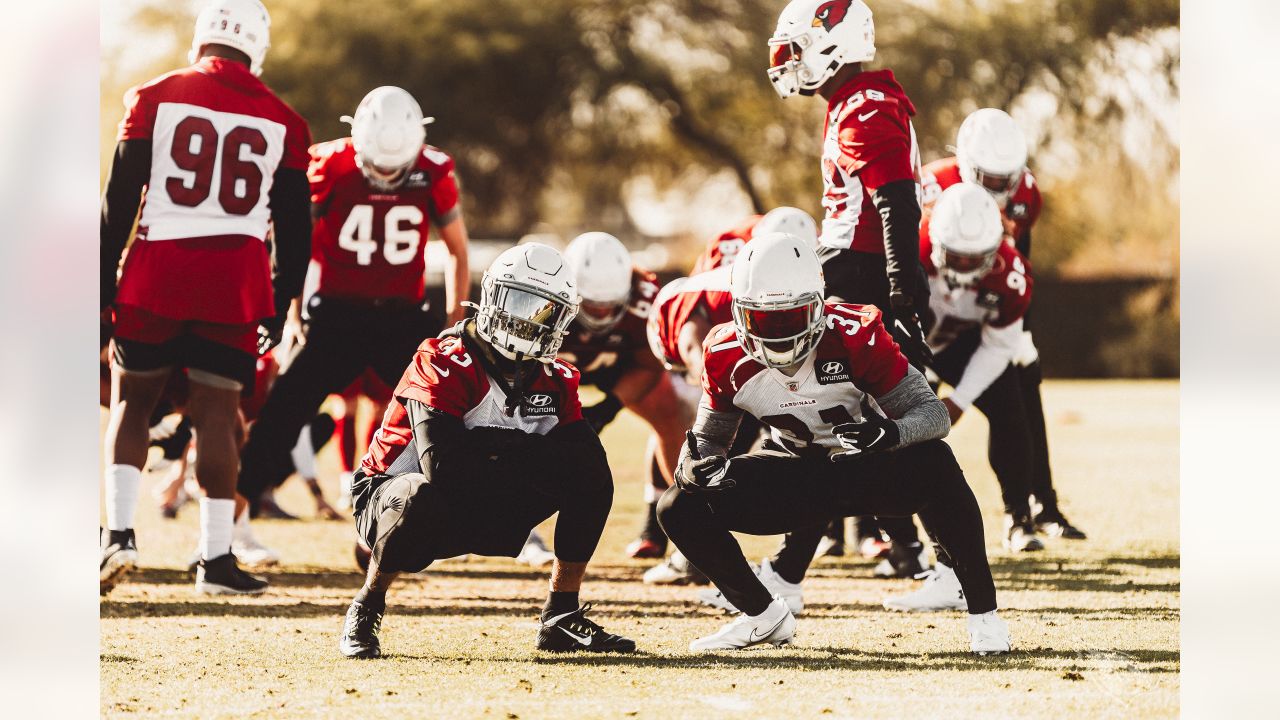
856, 357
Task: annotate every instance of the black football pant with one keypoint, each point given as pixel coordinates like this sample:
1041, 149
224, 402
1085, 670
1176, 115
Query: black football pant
1009, 445
1029, 378
343, 339
486, 506
777, 492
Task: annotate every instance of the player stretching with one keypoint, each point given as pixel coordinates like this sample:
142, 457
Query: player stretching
991, 153
805, 368
485, 439
220, 157
373, 196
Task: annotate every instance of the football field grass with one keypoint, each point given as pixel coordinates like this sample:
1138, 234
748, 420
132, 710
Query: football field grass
1095, 623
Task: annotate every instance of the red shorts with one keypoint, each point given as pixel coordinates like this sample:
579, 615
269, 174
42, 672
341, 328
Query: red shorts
144, 341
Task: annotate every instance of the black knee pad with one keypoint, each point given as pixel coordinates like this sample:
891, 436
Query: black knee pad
397, 521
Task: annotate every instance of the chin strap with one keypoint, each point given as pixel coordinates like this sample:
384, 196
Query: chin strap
516, 393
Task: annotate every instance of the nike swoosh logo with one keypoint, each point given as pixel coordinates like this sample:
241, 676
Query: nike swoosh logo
863, 118
873, 442
443, 373
754, 638
584, 640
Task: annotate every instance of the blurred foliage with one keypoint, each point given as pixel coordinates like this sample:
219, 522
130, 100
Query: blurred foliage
555, 109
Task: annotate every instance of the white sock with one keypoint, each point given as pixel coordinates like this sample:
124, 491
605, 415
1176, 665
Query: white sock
216, 520
241, 530
122, 483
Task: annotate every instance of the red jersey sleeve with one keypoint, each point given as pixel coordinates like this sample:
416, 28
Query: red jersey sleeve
139, 115
444, 186
875, 362
570, 378
443, 376
875, 143
722, 359
1011, 283
318, 173
297, 143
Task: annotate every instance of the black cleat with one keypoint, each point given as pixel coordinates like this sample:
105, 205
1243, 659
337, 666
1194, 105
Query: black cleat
572, 631
119, 556
1020, 534
222, 576
904, 560
360, 632
1055, 524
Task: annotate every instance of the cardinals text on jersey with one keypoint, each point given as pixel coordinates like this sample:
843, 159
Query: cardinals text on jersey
446, 377
1019, 214
868, 142
856, 357
217, 135
595, 352
372, 244
999, 299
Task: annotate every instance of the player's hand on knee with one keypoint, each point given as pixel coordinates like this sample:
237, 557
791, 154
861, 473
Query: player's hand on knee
872, 433
697, 474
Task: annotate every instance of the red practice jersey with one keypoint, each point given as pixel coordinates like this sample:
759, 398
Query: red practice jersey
368, 243
217, 135
617, 349
999, 299
705, 293
856, 357
724, 248
446, 377
869, 142
1019, 213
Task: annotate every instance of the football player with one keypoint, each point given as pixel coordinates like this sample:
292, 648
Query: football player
806, 369
345, 427
607, 342
725, 247
219, 157
374, 196
870, 168
484, 441
991, 153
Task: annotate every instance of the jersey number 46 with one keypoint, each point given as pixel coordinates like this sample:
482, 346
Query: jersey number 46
400, 235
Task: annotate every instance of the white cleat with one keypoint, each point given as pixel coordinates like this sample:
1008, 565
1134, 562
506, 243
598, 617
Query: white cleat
535, 552
776, 626
941, 591
989, 635
790, 592
675, 570
344, 502
246, 547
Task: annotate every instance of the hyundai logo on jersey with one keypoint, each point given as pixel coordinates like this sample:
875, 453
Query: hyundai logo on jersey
833, 371
539, 404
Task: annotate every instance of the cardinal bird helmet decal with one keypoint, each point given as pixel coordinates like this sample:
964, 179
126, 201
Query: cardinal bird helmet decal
830, 13
814, 39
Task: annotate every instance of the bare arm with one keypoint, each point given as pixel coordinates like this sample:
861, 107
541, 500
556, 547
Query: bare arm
457, 274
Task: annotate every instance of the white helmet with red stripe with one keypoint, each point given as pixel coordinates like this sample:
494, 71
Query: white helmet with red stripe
991, 152
527, 300
814, 39
777, 287
387, 132
966, 232
601, 266
240, 24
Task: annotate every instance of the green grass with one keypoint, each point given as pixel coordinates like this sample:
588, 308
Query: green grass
1095, 624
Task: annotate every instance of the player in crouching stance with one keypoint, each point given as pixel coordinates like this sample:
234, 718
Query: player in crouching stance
805, 369
484, 441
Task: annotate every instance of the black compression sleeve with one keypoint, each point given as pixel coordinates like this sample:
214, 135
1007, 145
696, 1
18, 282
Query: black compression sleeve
130, 172
900, 213
291, 216
1023, 243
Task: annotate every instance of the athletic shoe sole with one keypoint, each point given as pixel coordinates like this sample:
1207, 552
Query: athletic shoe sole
119, 565
208, 588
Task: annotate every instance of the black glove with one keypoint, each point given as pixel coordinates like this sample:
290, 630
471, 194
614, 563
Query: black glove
905, 328
872, 433
702, 475
270, 331
602, 413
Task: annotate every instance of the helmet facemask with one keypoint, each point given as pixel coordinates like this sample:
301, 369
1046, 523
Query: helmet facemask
522, 321
961, 269
600, 317
781, 334
384, 179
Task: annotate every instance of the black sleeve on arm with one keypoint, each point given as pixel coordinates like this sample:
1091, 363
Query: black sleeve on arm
130, 172
291, 215
900, 213
1023, 243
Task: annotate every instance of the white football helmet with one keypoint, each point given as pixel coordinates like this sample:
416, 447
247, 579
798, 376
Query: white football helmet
527, 300
388, 132
814, 39
601, 267
991, 152
777, 287
966, 232
789, 220
240, 24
